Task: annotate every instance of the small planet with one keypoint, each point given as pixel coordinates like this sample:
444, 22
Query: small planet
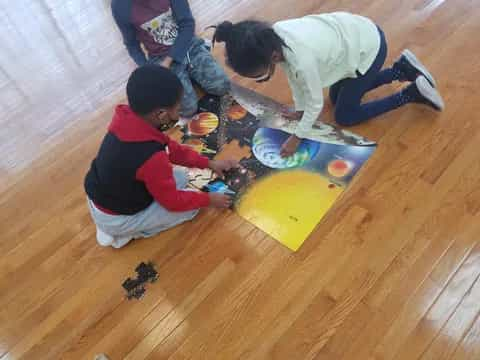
339, 168
267, 143
236, 112
203, 124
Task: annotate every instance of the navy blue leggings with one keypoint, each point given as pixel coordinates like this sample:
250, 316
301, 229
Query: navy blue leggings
347, 94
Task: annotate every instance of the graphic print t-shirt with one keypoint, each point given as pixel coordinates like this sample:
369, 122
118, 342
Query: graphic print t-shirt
155, 24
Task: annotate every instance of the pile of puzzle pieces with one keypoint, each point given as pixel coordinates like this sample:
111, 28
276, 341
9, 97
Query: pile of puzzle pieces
136, 287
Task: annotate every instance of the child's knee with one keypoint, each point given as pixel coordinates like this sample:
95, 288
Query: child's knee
219, 85
181, 177
344, 116
223, 87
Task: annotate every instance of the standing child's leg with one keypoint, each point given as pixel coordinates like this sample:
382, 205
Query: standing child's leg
206, 71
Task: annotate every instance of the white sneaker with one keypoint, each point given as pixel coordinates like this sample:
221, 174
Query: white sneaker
416, 64
430, 95
121, 242
104, 239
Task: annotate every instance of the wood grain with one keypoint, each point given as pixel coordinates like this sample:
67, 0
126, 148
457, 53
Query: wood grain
392, 272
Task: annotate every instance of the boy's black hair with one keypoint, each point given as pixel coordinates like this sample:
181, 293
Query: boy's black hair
151, 87
249, 44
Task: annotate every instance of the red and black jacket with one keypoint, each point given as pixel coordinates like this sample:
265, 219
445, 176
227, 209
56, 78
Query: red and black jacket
134, 167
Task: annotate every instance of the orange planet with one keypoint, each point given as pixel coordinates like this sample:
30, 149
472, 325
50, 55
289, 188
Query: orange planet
203, 124
236, 112
339, 168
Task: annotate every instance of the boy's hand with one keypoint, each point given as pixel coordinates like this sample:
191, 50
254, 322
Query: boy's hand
220, 201
290, 114
220, 166
290, 146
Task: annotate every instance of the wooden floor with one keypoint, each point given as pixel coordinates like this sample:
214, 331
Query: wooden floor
391, 273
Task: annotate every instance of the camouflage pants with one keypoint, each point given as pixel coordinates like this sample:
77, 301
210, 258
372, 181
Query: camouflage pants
200, 67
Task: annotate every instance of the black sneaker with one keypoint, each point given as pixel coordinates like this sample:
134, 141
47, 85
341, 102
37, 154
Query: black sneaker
421, 91
409, 68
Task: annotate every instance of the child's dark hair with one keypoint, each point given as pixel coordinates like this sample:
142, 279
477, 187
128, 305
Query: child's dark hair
151, 87
249, 45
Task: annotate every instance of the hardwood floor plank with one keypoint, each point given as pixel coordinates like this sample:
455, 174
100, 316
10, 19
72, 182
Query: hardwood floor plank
392, 271
469, 347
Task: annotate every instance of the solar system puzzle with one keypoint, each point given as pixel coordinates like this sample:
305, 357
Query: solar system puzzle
284, 197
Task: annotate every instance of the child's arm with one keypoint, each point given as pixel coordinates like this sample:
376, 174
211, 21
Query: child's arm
186, 29
298, 95
185, 156
121, 13
311, 83
157, 174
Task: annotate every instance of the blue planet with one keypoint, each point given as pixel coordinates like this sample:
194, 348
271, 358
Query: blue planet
266, 147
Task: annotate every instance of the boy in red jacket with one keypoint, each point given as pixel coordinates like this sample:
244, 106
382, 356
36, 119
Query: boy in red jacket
133, 189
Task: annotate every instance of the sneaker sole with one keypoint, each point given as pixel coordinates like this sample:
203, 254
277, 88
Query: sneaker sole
430, 93
413, 60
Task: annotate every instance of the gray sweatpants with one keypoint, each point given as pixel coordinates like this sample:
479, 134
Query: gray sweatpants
201, 67
119, 230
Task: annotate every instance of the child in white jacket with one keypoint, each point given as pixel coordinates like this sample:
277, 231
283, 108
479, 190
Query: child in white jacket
343, 51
